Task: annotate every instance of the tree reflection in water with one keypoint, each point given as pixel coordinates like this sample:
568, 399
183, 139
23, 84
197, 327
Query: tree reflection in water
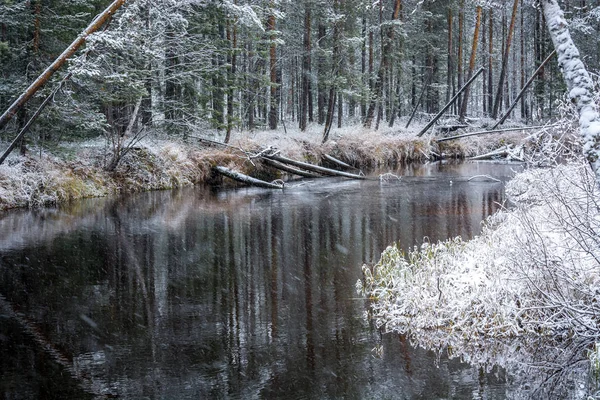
233, 294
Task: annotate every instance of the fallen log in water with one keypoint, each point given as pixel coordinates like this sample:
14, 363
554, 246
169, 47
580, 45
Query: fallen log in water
290, 169
238, 176
521, 128
338, 162
312, 167
502, 152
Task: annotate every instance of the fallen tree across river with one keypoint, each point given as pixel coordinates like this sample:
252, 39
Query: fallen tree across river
312, 167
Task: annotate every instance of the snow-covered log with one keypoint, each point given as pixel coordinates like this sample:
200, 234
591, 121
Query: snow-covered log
312, 167
290, 169
238, 176
578, 82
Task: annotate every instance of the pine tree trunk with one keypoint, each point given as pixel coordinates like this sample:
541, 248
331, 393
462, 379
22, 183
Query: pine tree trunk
363, 65
501, 79
465, 101
523, 63
459, 66
490, 97
273, 101
384, 66
450, 49
321, 89
305, 68
231, 81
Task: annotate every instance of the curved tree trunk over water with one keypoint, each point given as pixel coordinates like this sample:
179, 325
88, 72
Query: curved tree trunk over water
579, 83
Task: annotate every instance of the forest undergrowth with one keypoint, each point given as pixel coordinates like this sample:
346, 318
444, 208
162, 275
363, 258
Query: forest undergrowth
78, 170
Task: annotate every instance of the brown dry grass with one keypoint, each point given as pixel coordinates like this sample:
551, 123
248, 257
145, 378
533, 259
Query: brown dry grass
32, 181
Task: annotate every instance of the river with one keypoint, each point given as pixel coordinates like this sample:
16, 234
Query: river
231, 293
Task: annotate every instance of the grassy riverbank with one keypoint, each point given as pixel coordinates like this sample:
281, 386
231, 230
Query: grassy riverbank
76, 170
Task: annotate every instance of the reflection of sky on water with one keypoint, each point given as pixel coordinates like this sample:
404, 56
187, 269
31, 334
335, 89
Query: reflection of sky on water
241, 293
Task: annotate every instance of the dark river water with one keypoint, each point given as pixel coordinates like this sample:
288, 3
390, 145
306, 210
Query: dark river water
237, 293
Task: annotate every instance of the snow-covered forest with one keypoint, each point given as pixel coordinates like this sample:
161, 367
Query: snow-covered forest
189, 67
137, 104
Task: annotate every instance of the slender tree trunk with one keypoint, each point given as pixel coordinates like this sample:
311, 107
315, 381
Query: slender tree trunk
251, 96
490, 98
523, 63
450, 50
485, 64
334, 71
463, 109
459, 67
505, 57
330, 111
363, 65
306, 68
387, 49
321, 89
231, 81
340, 110
273, 100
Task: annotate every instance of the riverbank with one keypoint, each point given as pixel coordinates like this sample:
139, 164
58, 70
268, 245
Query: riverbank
530, 279
77, 170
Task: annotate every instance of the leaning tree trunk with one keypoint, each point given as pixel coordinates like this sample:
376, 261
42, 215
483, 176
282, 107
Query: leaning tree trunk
579, 83
45, 76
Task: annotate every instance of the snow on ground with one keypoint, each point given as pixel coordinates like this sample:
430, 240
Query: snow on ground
524, 294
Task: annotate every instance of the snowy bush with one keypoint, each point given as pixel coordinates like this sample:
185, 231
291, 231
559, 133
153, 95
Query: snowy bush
533, 272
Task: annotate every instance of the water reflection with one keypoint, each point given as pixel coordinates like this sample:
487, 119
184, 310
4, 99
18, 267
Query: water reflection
229, 294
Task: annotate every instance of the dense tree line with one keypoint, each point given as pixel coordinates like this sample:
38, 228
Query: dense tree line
183, 67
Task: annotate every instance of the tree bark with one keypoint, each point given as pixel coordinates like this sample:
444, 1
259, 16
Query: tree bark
273, 103
490, 98
231, 81
443, 110
450, 66
459, 67
465, 100
522, 92
579, 83
305, 93
387, 49
55, 66
502, 77
238, 176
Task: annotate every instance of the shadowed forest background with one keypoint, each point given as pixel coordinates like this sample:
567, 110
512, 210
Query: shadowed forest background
185, 67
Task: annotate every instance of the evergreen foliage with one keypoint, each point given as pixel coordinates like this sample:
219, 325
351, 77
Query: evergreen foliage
206, 67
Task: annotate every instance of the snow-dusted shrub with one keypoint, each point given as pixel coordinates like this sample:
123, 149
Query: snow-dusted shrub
532, 275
